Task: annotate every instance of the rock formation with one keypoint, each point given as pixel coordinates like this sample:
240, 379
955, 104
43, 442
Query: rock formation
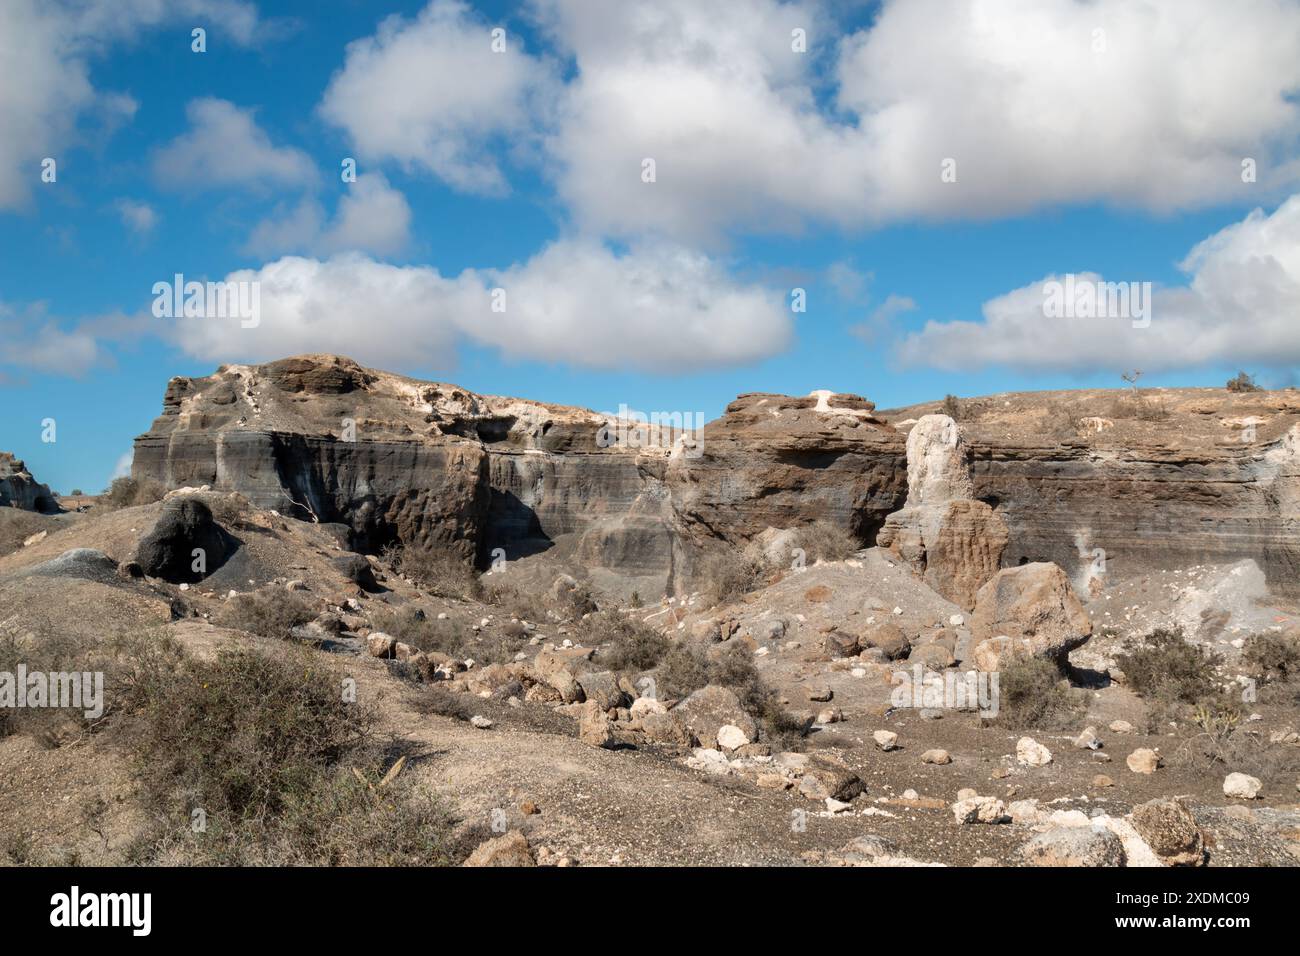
18, 489
955, 543
394, 458
1029, 609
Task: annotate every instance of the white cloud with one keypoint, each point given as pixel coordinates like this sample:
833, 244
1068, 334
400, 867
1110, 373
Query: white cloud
371, 216
224, 146
122, 467
750, 135
575, 302
431, 93
45, 87
1239, 308
33, 341
137, 216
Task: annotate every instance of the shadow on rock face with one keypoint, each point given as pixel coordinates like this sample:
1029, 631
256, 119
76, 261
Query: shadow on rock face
186, 544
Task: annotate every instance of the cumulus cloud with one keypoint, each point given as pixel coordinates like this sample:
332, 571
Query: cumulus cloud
431, 93
224, 146
35, 341
137, 216
1238, 308
1039, 102
660, 308
45, 88
371, 216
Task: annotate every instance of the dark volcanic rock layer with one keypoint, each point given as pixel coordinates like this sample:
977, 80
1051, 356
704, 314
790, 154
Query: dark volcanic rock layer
397, 459
18, 489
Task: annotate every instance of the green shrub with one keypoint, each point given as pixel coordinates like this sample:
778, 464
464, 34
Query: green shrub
436, 570
1033, 695
269, 611
1273, 656
1167, 668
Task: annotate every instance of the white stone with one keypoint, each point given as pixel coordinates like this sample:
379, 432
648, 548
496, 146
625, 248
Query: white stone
481, 722
1241, 785
730, 737
885, 739
1030, 753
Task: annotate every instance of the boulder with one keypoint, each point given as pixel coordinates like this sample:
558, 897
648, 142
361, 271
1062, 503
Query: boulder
708, 710
594, 726
886, 637
977, 809
952, 541
356, 569
1033, 606
510, 849
1169, 829
1087, 846
826, 777
1143, 760
1030, 753
1242, 786
184, 526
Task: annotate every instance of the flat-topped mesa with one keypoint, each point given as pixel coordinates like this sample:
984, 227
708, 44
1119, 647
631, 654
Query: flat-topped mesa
393, 458
952, 541
18, 489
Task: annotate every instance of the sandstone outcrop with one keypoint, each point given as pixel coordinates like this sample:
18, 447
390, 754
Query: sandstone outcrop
1173, 481
952, 541
18, 489
1031, 609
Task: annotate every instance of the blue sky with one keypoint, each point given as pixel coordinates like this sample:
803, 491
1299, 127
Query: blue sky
776, 169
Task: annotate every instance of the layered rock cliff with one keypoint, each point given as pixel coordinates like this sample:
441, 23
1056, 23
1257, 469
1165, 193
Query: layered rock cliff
1204, 476
18, 489
1111, 485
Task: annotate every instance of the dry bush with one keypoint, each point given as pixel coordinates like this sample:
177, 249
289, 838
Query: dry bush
1167, 669
1033, 695
436, 570
412, 626
725, 576
826, 541
1273, 657
1220, 739
1241, 382
623, 644
269, 611
1139, 406
17, 525
52, 653
688, 667
951, 407
129, 492
285, 772
1061, 421
230, 510
518, 603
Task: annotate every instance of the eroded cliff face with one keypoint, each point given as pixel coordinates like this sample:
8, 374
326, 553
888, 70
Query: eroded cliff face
1213, 478
18, 489
777, 461
1111, 486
